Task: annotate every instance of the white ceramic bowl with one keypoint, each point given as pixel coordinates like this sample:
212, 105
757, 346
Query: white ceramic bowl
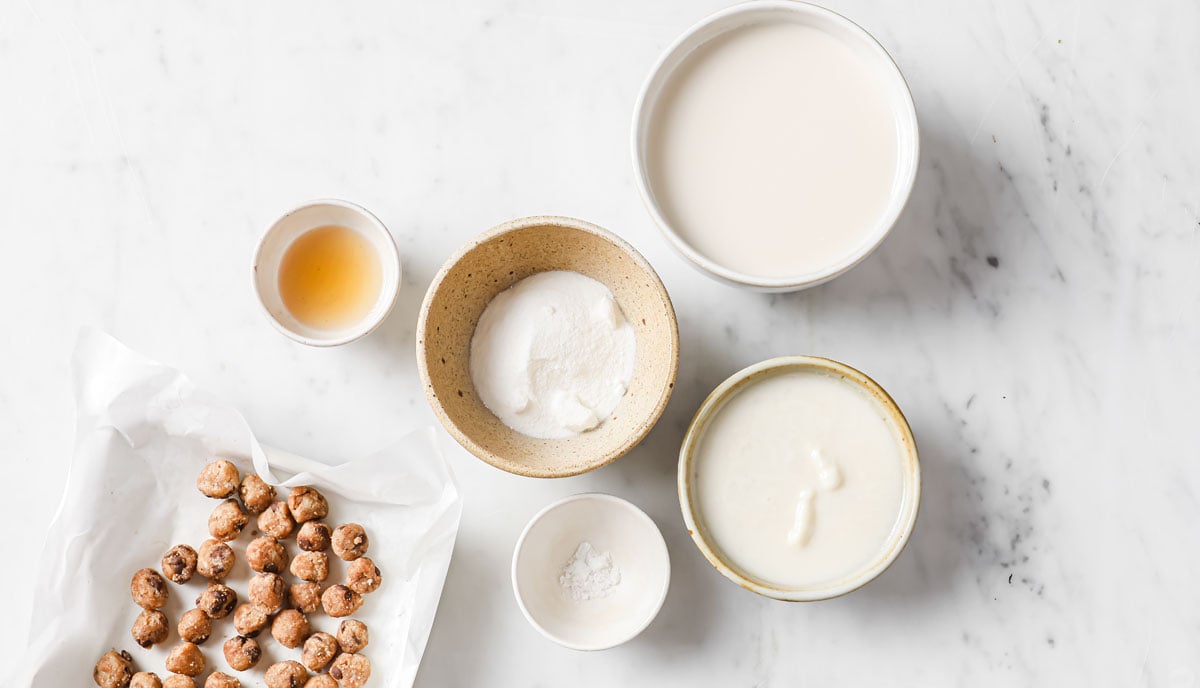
757, 11
609, 524
280, 235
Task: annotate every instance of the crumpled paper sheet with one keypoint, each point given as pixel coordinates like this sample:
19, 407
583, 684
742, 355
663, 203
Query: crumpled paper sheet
144, 432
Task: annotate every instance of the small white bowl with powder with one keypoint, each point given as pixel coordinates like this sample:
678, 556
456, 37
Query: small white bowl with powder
591, 571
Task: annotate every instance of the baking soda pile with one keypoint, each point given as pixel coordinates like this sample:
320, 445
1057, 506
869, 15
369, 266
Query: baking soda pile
589, 574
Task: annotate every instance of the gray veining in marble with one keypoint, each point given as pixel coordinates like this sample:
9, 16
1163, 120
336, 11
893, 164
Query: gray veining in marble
1034, 312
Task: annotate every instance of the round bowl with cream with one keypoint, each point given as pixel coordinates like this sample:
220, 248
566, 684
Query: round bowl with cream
492, 263
799, 479
775, 144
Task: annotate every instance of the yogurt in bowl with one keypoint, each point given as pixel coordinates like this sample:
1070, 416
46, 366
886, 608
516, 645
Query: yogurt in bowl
799, 479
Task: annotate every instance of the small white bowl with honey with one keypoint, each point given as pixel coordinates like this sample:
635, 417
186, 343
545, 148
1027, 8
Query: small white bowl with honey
327, 272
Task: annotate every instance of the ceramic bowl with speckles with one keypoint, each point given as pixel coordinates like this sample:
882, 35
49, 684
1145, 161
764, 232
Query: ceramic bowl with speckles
910, 477
495, 261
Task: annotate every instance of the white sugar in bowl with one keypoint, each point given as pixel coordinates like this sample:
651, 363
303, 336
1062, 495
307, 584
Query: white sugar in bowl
591, 571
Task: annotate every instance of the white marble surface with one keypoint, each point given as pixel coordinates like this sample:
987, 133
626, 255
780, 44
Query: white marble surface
1034, 313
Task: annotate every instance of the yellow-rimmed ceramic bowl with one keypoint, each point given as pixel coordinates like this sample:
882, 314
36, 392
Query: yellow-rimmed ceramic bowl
910, 472
493, 262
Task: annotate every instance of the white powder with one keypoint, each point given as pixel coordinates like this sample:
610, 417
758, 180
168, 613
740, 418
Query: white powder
589, 574
552, 355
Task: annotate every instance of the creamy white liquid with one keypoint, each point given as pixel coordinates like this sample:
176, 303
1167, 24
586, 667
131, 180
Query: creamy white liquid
799, 480
773, 149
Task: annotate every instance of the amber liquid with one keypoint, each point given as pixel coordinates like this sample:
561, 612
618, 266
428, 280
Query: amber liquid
330, 277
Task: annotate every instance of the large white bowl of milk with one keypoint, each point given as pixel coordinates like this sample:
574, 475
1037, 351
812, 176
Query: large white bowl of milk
775, 144
799, 479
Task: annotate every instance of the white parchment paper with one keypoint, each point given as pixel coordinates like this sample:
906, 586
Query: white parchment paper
144, 432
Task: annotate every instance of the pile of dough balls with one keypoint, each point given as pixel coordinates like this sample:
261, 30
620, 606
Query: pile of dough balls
273, 604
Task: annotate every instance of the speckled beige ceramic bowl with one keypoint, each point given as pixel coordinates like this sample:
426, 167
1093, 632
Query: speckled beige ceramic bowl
909, 503
492, 263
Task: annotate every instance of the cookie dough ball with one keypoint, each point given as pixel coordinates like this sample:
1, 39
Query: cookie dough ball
241, 652
352, 635
227, 520
340, 601
266, 592
306, 504
305, 597
276, 521
256, 495
362, 576
194, 626
249, 620
218, 480
311, 566
319, 650
187, 659
314, 536
150, 628
145, 679
351, 670
349, 541
148, 589
267, 555
179, 681
215, 560
222, 680
321, 681
286, 675
290, 628
114, 670
217, 601
179, 564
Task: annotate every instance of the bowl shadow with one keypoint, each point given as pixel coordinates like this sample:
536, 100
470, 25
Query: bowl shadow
649, 470
940, 250
933, 555
397, 335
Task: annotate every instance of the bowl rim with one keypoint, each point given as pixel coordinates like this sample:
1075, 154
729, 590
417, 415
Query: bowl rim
904, 109
640, 515
644, 426
390, 254
909, 507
